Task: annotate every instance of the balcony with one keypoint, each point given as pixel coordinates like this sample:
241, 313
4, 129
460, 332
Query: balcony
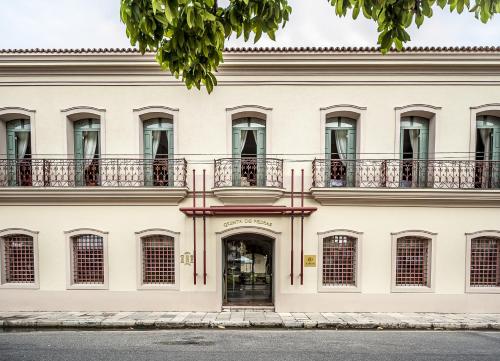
248, 180
440, 174
91, 173
412, 183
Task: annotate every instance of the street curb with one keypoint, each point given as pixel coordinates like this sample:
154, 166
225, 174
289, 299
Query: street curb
287, 324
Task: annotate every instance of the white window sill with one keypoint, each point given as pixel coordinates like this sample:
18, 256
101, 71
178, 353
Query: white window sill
471, 289
87, 287
157, 287
29, 286
411, 289
339, 289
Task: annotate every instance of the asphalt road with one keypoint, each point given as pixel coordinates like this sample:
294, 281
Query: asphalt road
273, 345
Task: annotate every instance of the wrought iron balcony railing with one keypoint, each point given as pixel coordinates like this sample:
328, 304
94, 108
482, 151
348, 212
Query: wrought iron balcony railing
105, 172
248, 172
375, 173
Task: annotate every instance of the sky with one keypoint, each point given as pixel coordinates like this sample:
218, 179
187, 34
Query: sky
96, 24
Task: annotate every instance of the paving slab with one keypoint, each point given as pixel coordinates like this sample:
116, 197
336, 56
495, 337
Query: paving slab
251, 318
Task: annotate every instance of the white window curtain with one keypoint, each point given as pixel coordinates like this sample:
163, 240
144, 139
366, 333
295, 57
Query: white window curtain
243, 139
414, 133
485, 134
156, 142
90, 146
341, 142
22, 144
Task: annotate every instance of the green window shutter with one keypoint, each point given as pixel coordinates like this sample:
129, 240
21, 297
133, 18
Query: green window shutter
79, 163
11, 155
170, 138
351, 157
148, 157
261, 157
236, 157
495, 156
328, 155
423, 154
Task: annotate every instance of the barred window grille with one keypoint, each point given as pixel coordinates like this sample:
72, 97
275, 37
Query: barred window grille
158, 260
339, 261
19, 259
412, 262
485, 262
88, 259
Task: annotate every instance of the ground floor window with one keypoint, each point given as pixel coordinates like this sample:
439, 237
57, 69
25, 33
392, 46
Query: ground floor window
485, 262
413, 262
158, 260
18, 259
339, 261
87, 254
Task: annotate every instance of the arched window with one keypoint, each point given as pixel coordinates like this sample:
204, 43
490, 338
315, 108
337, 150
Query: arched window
249, 152
484, 262
413, 261
339, 261
487, 172
87, 256
87, 142
19, 152
158, 260
414, 151
158, 152
18, 259
340, 151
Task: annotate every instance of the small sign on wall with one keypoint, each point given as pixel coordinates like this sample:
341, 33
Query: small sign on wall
187, 258
309, 260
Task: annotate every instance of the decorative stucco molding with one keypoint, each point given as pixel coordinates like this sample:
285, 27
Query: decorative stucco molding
94, 196
407, 197
83, 109
246, 195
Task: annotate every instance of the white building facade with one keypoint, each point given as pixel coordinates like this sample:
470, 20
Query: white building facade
309, 180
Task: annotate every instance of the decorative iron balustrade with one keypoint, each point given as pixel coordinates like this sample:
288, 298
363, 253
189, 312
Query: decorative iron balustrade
105, 172
408, 173
248, 172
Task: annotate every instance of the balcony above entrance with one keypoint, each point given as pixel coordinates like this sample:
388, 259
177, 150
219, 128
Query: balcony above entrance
248, 180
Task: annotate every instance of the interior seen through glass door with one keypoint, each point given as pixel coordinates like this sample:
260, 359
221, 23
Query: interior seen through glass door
248, 272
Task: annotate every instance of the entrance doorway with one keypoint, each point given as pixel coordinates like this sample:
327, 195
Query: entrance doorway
248, 270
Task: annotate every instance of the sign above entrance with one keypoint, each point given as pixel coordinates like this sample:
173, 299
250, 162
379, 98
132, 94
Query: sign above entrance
260, 222
309, 260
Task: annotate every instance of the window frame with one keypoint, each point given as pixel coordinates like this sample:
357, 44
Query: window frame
17, 285
469, 237
139, 269
69, 260
359, 247
431, 237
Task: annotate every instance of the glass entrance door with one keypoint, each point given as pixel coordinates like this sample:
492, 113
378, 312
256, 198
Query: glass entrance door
248, 271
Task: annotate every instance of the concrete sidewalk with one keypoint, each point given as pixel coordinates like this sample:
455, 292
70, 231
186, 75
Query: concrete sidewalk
249, 318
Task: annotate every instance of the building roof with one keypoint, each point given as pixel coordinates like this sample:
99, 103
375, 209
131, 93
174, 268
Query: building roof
331, 50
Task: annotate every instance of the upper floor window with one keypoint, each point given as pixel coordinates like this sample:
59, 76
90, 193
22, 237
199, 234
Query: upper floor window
414, 151
18, 260
249, 152
340, 151
484, 268
487, 152
87, 152
158, 152
19, 152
